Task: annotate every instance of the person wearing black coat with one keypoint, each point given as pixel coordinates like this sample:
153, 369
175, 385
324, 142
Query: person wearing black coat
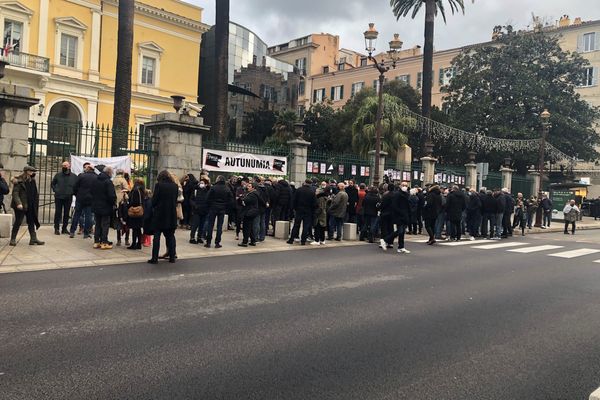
250, 211
421, 204
369, 209
385, 208
284, 201
83, 201
4, 190
488, 209
189, 185
137, 198
199, 211
164, 215
473, 214
431, 210
500, 208
352, 192
103, 205
63, 185
400, 217
509, 210
455, 205
219, 201
305, 204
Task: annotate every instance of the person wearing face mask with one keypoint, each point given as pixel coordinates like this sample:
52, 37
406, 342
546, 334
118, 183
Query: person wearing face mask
199, 199
400, 217
25, 203
63, 185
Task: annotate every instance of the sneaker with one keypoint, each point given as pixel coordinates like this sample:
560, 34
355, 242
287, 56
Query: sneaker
71, 235
543, 226
242, 245
324, 242
403, 251
315, 243
382, 244
472, 238
105, 246
97, 245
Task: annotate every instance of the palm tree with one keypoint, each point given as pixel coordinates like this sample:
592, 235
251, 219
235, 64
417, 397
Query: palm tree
283, 130
402, 8
394, 124
122, 103
221, 79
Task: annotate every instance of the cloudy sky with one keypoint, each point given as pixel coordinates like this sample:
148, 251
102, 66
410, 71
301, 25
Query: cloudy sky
278, 21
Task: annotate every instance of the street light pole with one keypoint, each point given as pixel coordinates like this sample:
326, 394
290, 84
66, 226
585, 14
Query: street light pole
395, 45
545, 117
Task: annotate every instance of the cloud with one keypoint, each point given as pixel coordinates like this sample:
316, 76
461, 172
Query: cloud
282, 20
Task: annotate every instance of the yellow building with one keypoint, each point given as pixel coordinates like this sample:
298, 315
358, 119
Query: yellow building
65, 51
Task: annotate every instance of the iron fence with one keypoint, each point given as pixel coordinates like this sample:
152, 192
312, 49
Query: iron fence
329, 165
55, 141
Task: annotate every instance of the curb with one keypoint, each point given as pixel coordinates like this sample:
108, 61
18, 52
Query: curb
595, 395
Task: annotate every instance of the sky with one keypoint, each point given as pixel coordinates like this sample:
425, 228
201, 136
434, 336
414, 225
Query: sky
279, 21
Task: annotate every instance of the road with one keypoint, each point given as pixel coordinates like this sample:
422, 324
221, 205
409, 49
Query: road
449, 322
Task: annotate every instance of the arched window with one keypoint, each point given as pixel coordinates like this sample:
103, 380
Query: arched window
64, 129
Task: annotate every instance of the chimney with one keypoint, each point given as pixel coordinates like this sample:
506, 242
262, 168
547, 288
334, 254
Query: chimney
564, 21
577, 21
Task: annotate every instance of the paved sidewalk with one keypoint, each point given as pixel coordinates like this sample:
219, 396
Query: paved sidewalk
64, 252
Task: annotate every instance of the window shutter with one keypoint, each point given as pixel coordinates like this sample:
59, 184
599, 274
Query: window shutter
408, 79
441, 76
597, 40
315, 96
333, 93
580, 43
342, 92
595, 76
419, 80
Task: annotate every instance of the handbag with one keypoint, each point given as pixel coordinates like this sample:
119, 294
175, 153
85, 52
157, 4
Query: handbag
136, 212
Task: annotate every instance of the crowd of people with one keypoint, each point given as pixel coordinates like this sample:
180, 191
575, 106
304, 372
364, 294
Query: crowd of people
318, 210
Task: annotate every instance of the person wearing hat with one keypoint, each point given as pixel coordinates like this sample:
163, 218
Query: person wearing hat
63, 185
25, 203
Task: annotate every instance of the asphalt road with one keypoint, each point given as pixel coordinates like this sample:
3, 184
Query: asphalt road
351, 323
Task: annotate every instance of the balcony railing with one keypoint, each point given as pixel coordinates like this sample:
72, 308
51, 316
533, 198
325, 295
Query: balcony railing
25, 60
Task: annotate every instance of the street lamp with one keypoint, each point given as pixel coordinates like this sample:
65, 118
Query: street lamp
371, 35
545, 117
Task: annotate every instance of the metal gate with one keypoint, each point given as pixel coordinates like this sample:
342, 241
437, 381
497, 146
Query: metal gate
52, 142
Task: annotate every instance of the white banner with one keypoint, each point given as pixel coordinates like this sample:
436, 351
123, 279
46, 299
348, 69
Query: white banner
123, 163
256, 164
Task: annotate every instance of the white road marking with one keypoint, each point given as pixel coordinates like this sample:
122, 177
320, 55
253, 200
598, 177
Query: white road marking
575, 253
536, 248
462, 243
498, 245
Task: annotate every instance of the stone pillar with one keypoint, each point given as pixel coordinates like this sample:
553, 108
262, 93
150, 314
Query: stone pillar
507, 173
298, 160
404, 157
536, 183
428, 168
471, 176
179, 142
15, 102
382, 156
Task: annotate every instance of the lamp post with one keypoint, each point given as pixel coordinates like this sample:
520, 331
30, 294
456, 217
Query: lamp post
545, 117
395, 45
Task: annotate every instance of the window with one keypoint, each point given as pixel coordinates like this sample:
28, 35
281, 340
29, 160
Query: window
301, 88
148, 68
13, 32
376, 85
68, 50
590, 77
589, 42
337, 93
318, 95
363, 61
301, 65
341, 67
446, 75
404, 78
326, 69
342, 60
357, 87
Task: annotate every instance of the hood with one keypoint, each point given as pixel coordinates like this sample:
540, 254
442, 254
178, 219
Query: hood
283, 183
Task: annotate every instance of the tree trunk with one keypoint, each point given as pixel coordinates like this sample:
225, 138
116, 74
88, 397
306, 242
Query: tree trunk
430, 7
122, 99
221, 55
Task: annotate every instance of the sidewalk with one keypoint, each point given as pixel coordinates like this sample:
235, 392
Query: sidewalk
64, 252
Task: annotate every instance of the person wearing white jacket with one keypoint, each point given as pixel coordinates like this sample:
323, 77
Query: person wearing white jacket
571, 212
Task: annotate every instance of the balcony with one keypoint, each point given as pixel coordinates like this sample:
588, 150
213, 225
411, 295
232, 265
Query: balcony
24, 60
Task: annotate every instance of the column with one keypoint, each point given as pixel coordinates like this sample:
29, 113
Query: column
94, 74
382, 156
471, 176
297, 160
404, 157
179, 142
43, 33
507, 173
428, 167
535, 184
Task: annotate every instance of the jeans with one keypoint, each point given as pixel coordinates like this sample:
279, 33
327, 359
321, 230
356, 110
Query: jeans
399, 233
530, 216
262, 230
170, 241
86, 213
485, 229
220, 217
439, 225
547, 218
198, 226
336, 224
62, 208
102, 226
256, 226
499, 224
304, 218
